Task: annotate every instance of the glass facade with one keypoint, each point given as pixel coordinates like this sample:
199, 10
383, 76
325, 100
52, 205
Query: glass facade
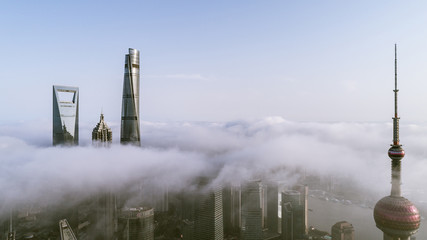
65, 115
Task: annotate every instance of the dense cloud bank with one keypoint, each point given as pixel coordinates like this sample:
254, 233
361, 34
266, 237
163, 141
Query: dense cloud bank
176, 153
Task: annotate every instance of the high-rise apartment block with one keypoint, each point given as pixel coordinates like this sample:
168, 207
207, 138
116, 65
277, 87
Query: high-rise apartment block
342, 231
65, 115
130, 129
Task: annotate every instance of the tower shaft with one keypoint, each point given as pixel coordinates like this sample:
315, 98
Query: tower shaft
395, 215
395, 178
130, 105
396, 117
396, 153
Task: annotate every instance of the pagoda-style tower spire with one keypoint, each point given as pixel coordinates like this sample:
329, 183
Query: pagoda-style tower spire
395, 215
102, 134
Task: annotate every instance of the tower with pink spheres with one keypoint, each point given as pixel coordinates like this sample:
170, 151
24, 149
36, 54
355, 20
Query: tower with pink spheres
395, 215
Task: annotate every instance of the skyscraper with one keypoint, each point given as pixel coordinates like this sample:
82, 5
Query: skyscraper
130, 104
106, 216
106, 212
294, 214
272, 206
102, 134
208, 222
342, 231
395, 215
303, 190
65, 122
231, 196
136, 224
252, 210
287, 221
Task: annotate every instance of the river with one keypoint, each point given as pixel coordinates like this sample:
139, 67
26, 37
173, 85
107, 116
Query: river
323, 214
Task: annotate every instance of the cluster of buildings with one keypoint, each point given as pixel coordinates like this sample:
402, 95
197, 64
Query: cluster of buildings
65, 129
250, 210
247, 211
98, 217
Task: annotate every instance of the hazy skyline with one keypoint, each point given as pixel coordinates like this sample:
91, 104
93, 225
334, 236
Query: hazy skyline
217, 61
241, 86
176, 153
240, 150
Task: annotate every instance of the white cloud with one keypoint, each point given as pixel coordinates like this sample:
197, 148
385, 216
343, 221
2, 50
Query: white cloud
176, 153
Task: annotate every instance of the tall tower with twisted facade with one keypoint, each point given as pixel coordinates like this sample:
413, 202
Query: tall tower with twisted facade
129, 133
395, 215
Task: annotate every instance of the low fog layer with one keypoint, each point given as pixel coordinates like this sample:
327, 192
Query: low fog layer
176, 153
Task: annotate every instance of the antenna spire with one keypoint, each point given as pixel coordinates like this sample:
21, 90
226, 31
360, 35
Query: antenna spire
396, 117
395, 66
396, 152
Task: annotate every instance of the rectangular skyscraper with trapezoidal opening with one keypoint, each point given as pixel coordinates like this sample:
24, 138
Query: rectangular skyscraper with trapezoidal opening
130, 104
65, 122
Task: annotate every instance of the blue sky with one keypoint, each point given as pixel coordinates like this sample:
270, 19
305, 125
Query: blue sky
216, 60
